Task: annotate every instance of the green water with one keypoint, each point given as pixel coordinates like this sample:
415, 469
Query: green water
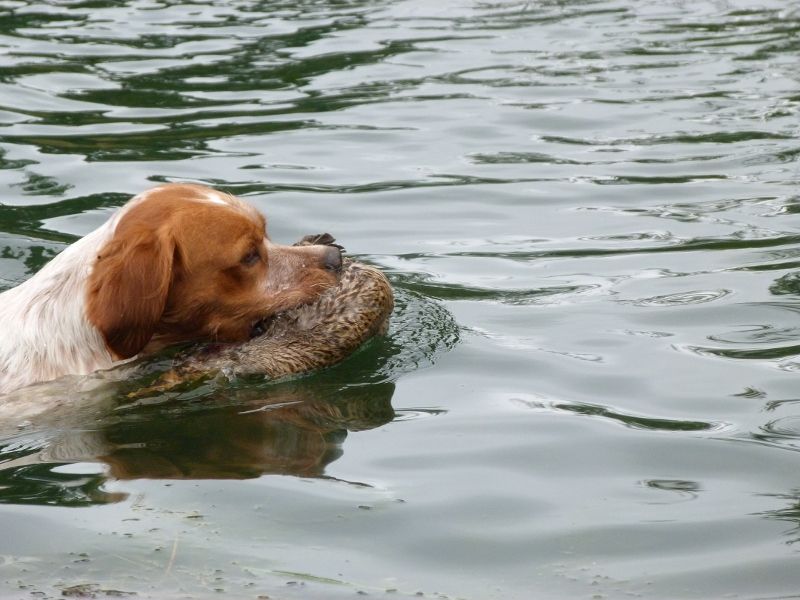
589, 211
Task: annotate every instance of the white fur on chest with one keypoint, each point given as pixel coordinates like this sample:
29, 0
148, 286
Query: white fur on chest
45, 331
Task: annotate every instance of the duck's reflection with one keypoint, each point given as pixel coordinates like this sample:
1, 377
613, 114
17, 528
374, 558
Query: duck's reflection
293, 429
290, 433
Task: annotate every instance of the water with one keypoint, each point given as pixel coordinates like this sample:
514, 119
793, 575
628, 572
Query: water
589, 212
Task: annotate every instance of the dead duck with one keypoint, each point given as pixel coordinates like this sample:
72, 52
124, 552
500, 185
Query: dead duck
302, 339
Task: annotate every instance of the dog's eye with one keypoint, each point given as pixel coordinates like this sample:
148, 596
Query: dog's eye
251, 258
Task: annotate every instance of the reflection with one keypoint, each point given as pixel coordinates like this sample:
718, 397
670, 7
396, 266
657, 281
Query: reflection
61, 441
32, 257
295, 431
42, 484
191, 84
787, 284
425, 283
773, 341
783, 432
686, 489
41, 185
790, 513
681, 298
28, 221
635, 421
295, 428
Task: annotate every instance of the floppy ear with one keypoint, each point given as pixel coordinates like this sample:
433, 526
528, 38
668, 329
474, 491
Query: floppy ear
128, 289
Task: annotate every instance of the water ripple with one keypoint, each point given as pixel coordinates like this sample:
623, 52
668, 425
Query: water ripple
681, 298
588, 186
633, 421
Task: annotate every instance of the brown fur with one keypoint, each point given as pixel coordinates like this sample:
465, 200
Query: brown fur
182, 268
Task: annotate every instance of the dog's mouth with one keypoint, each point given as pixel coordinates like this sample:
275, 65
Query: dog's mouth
267, 324
262, 325
259, 328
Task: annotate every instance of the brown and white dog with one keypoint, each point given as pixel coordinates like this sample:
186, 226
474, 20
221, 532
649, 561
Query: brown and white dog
177, 263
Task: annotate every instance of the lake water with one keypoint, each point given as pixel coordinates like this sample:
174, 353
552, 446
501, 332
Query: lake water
589, 212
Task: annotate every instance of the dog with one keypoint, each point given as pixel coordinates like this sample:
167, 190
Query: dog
178, 263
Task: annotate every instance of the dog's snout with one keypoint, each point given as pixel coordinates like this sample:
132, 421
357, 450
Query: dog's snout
332, 258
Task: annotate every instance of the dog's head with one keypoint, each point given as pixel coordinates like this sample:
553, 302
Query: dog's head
189, 263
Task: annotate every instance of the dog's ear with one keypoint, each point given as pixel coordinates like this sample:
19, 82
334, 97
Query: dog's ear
128, 289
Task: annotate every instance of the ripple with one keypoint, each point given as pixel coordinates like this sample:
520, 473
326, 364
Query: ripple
511, 158
647, 145
654, 180
630, 420
717, 137
412, 414
681, 298
689, 490
759, 334
772, 353
650, 334
420, 330
584, 356
657, 236
757, 394
786, 427
259, 187
424, 284
742, 241
791, 366
788, 284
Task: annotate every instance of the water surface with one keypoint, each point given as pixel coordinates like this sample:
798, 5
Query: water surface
589, 212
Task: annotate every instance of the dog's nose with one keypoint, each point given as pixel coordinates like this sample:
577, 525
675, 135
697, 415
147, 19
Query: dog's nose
332, 258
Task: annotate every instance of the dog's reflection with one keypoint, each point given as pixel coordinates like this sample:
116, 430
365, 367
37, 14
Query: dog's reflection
289, 434
291, 429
